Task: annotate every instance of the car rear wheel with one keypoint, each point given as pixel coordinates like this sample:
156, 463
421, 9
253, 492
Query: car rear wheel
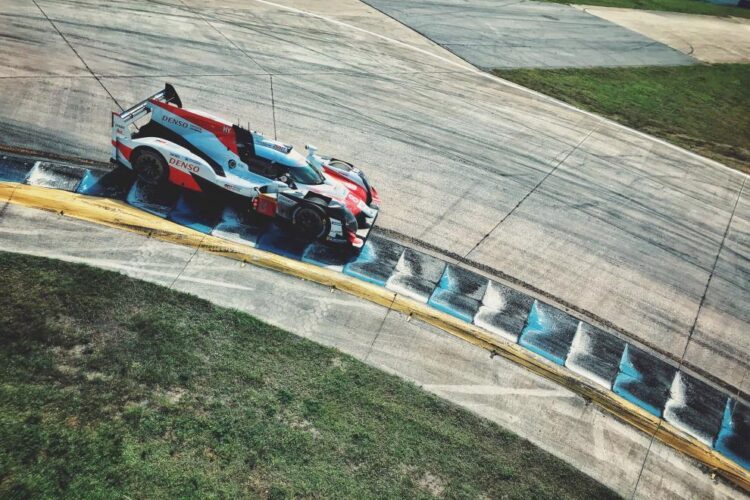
150, 167
310, 222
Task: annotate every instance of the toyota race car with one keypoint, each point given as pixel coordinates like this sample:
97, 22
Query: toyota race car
317, 198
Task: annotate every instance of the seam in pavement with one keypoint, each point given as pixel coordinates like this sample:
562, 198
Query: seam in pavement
645, 459
7, 202
713, 271
205, 20
380, 328
77, 54
554, 169
195, 252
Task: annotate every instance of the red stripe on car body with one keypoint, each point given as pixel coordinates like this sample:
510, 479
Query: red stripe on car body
222, 130
122, 148
183, 179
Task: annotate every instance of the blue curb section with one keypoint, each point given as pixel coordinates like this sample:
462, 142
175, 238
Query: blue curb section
277, 241
455, 304
194, 211
503, 311
232, 227
644, 380
463, 282
376, 261
596, 355
15, 169
56, 176
114, 184
733, 440
459, 293
549, 332
695, 407
156, 201
326, 256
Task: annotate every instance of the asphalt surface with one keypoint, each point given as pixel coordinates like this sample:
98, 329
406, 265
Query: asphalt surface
526, 34
550, 416
635, 235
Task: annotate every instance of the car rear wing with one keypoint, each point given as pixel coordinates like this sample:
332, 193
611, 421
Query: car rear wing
121, 121
169, 94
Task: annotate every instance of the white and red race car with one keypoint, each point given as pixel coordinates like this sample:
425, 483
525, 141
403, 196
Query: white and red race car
318, 198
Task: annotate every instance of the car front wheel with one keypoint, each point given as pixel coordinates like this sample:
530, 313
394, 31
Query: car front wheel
310, 222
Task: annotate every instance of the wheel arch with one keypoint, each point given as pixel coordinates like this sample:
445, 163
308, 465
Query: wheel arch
318, 203
138, 150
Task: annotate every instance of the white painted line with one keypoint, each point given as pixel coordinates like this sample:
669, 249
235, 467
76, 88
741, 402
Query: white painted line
494, 390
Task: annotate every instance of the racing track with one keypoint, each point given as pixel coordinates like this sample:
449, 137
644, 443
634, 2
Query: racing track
628, 232
624, 229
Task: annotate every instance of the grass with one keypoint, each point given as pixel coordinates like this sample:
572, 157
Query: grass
115, 388
703, 108
685, 6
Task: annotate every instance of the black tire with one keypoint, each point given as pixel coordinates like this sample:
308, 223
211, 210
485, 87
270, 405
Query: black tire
150, 167
310, 222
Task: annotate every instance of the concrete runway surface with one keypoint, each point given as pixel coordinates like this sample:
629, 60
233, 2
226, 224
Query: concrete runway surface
709, 39
628, 232
550, 416
527, 34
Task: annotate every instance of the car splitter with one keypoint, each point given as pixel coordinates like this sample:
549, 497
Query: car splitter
700, 419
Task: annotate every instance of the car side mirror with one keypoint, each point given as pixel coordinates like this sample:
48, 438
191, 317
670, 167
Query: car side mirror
311, 150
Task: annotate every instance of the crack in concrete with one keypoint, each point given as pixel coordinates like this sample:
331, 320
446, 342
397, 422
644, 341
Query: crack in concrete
713, 271
380, 328
198, 247
547, 176
692, 329
645, 459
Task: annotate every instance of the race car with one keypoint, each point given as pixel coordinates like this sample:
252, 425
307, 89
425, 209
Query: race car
316, 197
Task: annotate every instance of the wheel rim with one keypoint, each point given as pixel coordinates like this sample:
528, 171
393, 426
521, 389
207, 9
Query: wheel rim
309, 223
150, 169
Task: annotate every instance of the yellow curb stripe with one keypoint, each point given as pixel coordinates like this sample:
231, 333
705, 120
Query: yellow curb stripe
120, 215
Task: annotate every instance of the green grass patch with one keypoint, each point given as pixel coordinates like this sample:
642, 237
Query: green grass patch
115, 388
685, 6
704, 108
